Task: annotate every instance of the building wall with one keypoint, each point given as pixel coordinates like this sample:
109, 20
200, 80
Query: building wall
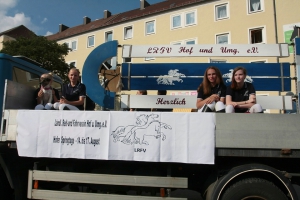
237, 24
204, 31
4, 38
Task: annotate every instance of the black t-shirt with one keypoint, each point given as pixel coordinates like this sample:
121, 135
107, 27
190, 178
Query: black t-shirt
242, 94
56, 93
218, 89
73, 93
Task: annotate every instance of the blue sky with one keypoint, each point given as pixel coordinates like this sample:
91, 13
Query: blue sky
44, 16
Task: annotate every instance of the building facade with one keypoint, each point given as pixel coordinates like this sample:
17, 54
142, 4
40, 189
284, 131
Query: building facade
187, 22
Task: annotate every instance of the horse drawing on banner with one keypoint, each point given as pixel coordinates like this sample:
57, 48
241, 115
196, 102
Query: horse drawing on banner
145, 126
228, 77
173, 75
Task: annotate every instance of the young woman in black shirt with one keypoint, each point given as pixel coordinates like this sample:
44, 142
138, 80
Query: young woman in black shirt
211, 92
240, 96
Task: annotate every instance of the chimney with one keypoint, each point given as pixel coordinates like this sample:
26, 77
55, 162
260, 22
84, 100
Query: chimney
107, 14
86, 20
62, 28
144, 4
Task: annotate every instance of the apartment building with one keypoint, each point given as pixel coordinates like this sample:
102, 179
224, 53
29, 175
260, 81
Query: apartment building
186, 22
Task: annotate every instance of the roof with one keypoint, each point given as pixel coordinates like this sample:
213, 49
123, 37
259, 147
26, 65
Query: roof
17, 32
154, 9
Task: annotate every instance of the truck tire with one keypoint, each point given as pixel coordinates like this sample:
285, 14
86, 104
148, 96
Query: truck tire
5, 190
254, 188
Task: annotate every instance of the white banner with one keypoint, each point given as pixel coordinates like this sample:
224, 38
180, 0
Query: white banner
207, 50
136, 136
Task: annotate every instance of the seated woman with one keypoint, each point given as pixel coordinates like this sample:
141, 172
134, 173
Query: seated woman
46, 95
73, 93
240, 96
211, 92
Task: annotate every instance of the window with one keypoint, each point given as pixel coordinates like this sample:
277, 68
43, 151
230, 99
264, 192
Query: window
184, 42
149, 58
190, 42
222, 39
108, 36
183, 19
221, 11
256, 36
217, 61
150, 27
26, 78
73, 64
176, 21
71, 44
254, 6
74, 45
128, 32
126, 60
176, 43
190, 18
91, 41
68, 45
258, 61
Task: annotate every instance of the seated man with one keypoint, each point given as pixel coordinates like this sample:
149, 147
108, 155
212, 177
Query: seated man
73, 93
45, 95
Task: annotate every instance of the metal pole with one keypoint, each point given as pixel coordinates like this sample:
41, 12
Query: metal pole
275, 26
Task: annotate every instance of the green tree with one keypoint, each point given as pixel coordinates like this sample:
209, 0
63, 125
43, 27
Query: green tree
49, 54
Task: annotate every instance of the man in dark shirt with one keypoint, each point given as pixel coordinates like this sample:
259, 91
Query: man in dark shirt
73, 93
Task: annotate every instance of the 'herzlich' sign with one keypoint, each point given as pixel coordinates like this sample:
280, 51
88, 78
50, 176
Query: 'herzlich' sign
158, 101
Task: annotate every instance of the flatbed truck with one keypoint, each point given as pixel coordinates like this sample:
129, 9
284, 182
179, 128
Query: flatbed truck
255, 156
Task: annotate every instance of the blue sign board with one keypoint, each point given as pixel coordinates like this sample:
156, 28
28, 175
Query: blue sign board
188, 76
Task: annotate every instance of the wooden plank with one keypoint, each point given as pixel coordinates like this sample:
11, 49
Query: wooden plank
106, 179
169, 101
275, 102
188, 76
206, 50
158, 101
54, 195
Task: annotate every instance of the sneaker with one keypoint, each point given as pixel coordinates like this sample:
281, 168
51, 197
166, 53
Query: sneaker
66, 108
221, 111
206, 108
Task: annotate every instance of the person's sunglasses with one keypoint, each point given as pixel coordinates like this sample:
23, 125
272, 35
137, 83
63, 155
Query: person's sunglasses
45, 80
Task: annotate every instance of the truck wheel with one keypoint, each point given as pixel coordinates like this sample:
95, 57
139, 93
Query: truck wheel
253, 189
5, 190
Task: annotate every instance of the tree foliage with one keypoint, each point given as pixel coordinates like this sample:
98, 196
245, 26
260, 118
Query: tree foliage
49, 54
